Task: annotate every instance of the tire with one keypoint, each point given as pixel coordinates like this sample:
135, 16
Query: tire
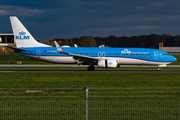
90, 68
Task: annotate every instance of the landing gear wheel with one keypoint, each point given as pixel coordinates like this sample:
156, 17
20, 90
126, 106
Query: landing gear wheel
158, 68
90, 68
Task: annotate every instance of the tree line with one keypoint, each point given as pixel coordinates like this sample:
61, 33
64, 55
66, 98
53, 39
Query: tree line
141, 41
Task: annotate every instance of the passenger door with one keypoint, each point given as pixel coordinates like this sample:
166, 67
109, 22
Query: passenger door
156, 55
38, 53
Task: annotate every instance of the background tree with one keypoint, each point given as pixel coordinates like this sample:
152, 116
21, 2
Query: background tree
49, 42
141, 41
87, 42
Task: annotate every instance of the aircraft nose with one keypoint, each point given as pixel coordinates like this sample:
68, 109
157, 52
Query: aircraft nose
173, 59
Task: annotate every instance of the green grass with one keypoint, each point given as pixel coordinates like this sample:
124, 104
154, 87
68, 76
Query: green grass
70, 86
113, 110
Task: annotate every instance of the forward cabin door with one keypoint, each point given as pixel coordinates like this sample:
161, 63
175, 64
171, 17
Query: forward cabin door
156, 55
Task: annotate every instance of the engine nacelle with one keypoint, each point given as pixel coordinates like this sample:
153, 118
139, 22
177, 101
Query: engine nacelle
107, 64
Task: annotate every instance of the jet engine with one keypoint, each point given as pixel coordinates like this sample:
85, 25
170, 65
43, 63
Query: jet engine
107, 64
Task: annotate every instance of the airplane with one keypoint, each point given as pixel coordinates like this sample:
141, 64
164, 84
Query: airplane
103, 57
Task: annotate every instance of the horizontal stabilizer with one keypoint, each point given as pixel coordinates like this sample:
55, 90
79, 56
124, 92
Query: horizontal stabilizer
14, 48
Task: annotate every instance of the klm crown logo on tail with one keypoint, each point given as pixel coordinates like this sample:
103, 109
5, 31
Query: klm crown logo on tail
22, 33
22, 36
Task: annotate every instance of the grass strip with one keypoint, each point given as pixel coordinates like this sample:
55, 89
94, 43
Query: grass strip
129, 86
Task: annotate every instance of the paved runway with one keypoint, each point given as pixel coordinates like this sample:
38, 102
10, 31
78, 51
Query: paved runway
95, 71
81, 71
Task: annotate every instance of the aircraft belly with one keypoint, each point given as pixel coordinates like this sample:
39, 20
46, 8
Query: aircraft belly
131, 61
66, 60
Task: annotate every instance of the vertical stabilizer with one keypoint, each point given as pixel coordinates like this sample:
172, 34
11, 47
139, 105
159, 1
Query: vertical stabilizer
22, 36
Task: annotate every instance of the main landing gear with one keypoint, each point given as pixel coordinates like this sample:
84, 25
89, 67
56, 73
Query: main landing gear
90, 68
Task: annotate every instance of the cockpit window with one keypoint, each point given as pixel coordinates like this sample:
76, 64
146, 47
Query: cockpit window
165, 54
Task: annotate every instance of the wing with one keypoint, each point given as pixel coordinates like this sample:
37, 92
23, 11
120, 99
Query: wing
81, 59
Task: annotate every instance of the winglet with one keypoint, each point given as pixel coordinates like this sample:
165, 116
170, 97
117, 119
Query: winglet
75, 45
58, 47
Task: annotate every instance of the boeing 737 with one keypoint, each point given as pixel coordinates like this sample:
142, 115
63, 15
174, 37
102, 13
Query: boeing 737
27, 46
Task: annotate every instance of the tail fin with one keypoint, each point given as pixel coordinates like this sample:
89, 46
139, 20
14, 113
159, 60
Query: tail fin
22, 36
